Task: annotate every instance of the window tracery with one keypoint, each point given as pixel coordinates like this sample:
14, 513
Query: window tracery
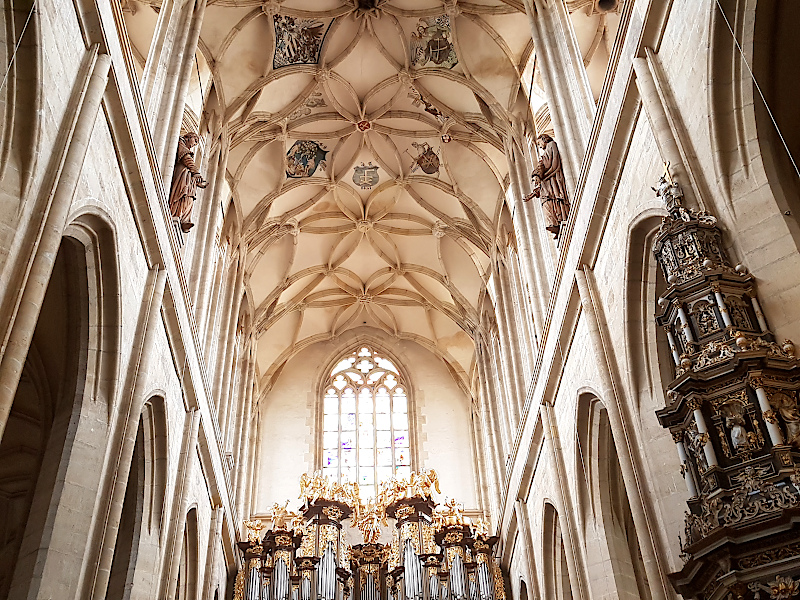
365, 428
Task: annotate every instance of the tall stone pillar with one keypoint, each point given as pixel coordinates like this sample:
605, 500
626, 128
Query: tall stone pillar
566, 84
123, 438
180, 505
509, 345
529, 251
167, 71
658, 117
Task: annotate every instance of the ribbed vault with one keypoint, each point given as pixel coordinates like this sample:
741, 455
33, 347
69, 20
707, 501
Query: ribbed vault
367, 158
370, 179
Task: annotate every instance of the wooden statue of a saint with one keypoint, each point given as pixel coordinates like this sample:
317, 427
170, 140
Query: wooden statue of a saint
186, 179
549, 185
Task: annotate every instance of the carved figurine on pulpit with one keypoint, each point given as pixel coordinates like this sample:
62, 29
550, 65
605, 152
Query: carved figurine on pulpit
549, 185
186, 179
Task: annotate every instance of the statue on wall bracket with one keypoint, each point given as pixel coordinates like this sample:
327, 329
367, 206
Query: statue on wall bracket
549, 185
186, 179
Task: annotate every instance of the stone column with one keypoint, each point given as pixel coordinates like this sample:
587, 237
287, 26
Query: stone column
522, 310
242, 429
491, 416
527, 248
195, 246
202, 271
527, 538
117, 464
498, 383
220, 333
214, 537
252, 470
481, 469
508, 347
576, 565
624, 438
231, 350
656, 112
566, 84
180, 505
205, 319
518, 335
53, 216
188, 69
168, 67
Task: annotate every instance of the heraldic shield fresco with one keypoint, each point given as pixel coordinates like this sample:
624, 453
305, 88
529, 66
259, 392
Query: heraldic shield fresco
432, 43
368, 176
304, 158
298, 41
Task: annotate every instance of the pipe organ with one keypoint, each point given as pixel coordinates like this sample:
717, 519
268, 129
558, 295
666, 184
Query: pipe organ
435, 552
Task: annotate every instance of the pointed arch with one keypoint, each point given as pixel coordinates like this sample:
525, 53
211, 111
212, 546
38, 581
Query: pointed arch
603, 500
557, 584
154, 428
188, 568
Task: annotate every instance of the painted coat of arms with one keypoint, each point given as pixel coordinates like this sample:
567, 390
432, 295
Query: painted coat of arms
298, 41
303, 159
432, 43
417, 100
427, 159
366, 176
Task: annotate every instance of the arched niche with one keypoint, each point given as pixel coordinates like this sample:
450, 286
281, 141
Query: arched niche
126, 548
49, 395
59, 417
651, 364
556, 570
188, 568
603, 500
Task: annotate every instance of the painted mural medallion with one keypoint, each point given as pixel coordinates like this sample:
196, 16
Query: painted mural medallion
303, 159
298, 41
426, 159
364, 125
366, 176
432, 43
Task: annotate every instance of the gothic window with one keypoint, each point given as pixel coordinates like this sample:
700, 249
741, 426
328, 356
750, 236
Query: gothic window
365, 433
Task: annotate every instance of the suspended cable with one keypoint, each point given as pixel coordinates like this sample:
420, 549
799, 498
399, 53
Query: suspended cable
200, 83
758, 87
16, 47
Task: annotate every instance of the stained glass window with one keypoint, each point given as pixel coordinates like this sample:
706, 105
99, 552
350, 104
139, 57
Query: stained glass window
365, 421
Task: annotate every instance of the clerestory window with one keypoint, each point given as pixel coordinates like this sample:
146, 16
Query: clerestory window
365, 431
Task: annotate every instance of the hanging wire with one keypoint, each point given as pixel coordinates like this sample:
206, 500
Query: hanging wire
19, 41
199, 82
758, 87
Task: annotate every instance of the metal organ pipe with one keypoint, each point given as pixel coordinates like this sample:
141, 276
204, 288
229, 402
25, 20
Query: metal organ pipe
280, 581
326, 583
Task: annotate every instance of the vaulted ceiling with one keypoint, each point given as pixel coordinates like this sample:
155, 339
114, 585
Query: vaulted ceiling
366, 161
